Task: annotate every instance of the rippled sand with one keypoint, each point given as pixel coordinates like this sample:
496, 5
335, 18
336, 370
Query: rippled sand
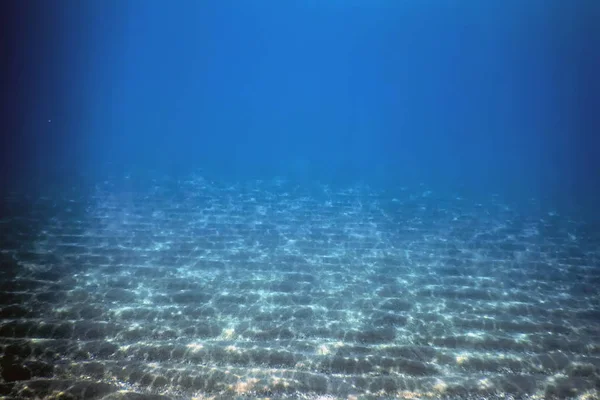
191, 289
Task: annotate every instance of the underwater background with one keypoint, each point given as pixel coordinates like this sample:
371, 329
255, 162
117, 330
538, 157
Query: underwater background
300, 199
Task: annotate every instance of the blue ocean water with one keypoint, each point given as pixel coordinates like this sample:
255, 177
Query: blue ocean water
301, 199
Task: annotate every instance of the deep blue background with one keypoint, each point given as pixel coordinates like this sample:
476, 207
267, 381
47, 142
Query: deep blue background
488, 95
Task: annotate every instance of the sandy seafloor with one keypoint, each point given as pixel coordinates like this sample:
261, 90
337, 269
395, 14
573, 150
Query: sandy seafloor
266, 289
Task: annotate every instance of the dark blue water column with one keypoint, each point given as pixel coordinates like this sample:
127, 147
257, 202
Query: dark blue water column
49, 51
